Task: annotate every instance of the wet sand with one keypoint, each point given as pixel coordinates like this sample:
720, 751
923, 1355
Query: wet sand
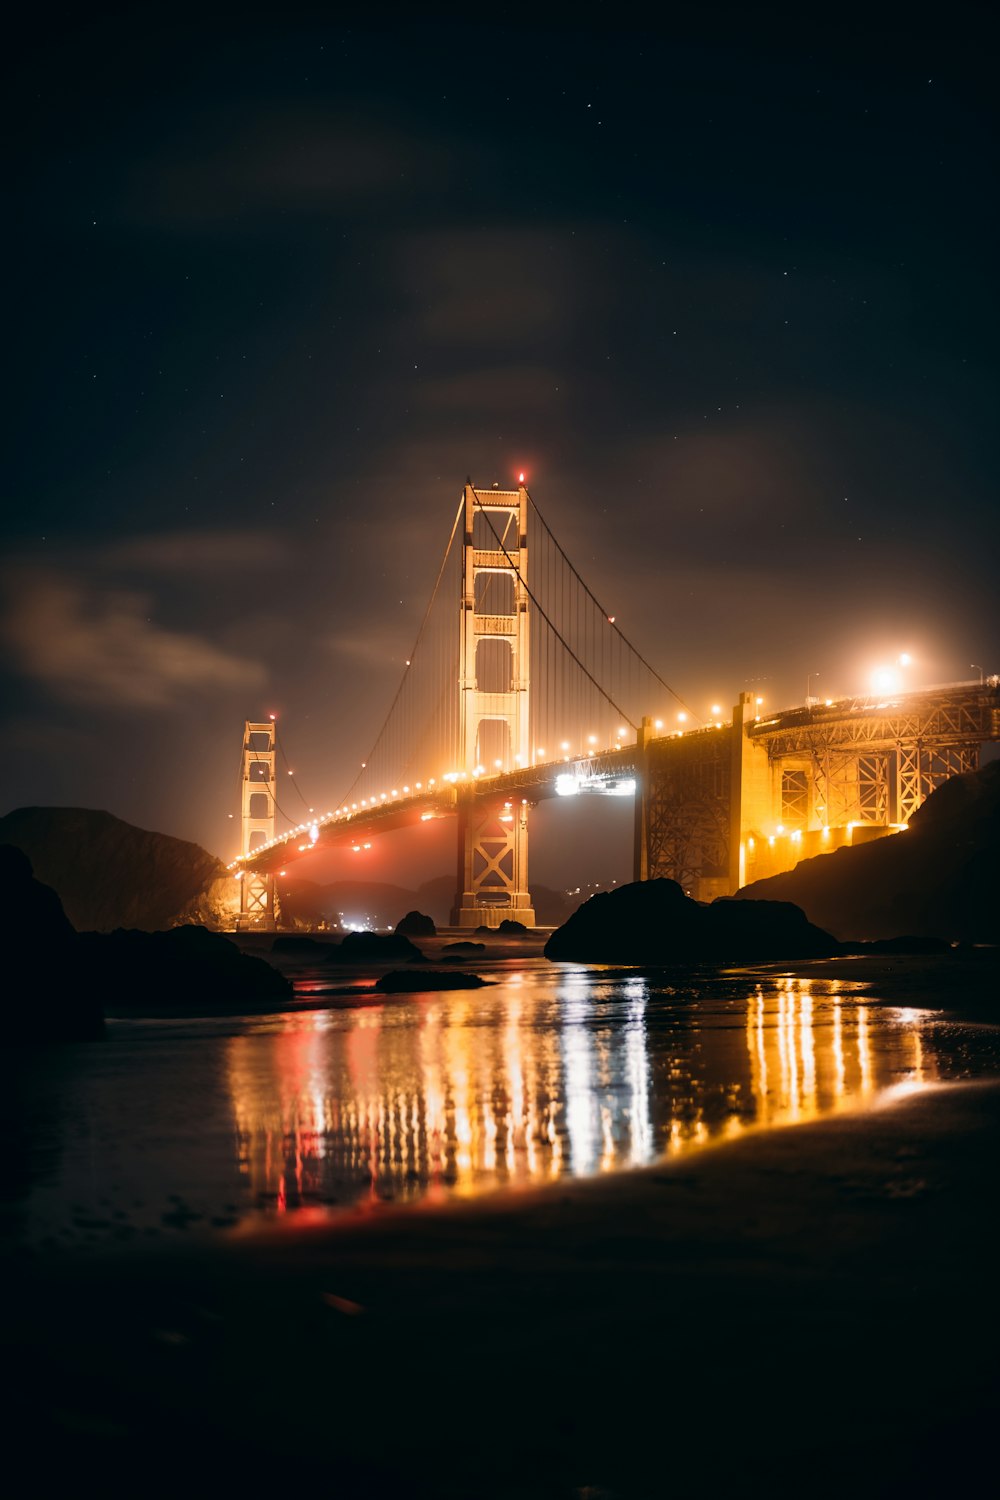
811, 1310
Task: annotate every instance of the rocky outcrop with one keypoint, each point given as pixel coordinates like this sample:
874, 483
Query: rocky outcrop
217, 906
108, 874
653, 922
45, 997
416, 924
938, 879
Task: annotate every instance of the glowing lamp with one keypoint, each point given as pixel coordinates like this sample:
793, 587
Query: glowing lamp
886, 680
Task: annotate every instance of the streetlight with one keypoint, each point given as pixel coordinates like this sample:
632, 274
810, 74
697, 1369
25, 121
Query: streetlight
809, 678
977, 668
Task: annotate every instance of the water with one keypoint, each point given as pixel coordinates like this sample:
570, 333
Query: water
174, 1128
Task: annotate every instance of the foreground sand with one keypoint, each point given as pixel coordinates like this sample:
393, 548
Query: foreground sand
807, 1312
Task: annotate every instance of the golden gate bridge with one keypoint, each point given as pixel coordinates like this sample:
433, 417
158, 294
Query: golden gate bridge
521, 686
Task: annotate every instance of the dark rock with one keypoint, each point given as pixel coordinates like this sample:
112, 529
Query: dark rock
938, 879
416, 924
375, 948
400, 981
464, 947
187, 971
45, 1000
653, 922
510, 928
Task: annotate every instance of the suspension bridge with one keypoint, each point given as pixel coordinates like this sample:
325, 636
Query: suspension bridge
520, 686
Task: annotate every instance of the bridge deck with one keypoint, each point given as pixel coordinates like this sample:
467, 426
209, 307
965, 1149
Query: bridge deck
961, 713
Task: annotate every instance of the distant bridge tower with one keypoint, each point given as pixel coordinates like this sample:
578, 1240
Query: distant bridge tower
494, 670
257, 775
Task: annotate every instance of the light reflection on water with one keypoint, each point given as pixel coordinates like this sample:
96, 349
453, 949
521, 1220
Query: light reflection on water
474, 1091
194, 1125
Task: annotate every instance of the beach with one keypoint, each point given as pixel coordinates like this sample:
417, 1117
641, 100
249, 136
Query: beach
809, 1309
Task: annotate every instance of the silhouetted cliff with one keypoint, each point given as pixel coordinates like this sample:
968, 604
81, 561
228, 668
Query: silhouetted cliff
45, 998
108, 874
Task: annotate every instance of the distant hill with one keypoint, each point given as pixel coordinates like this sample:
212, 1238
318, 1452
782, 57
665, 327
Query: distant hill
375, 903
109, 874
938, 879
382, 905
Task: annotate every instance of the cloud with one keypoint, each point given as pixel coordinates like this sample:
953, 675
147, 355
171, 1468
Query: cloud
186, 551
498, 287
501, 391
87, 645
290, 159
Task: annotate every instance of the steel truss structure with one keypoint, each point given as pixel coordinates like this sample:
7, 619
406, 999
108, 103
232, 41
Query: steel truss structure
878, 762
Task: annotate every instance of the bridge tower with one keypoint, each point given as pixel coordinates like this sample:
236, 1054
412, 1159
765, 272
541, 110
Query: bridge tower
257, 775
494, 688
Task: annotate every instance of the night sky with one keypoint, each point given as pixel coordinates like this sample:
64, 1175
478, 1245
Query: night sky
723, 288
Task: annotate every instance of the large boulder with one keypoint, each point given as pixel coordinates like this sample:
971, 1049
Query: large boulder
938, 879
44, 997
375, 948
653, 922
187, 971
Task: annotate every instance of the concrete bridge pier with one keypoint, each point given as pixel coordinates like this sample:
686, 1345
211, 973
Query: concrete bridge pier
492, 863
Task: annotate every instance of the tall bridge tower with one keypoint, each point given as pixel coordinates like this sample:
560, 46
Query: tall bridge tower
494, 688
257, 772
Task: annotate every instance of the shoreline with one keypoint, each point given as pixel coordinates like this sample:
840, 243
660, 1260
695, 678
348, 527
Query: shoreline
812, 1307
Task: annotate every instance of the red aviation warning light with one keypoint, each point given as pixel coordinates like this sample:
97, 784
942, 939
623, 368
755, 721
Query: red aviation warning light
520, 478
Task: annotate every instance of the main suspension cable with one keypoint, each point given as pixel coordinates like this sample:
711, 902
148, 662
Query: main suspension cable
610, 618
